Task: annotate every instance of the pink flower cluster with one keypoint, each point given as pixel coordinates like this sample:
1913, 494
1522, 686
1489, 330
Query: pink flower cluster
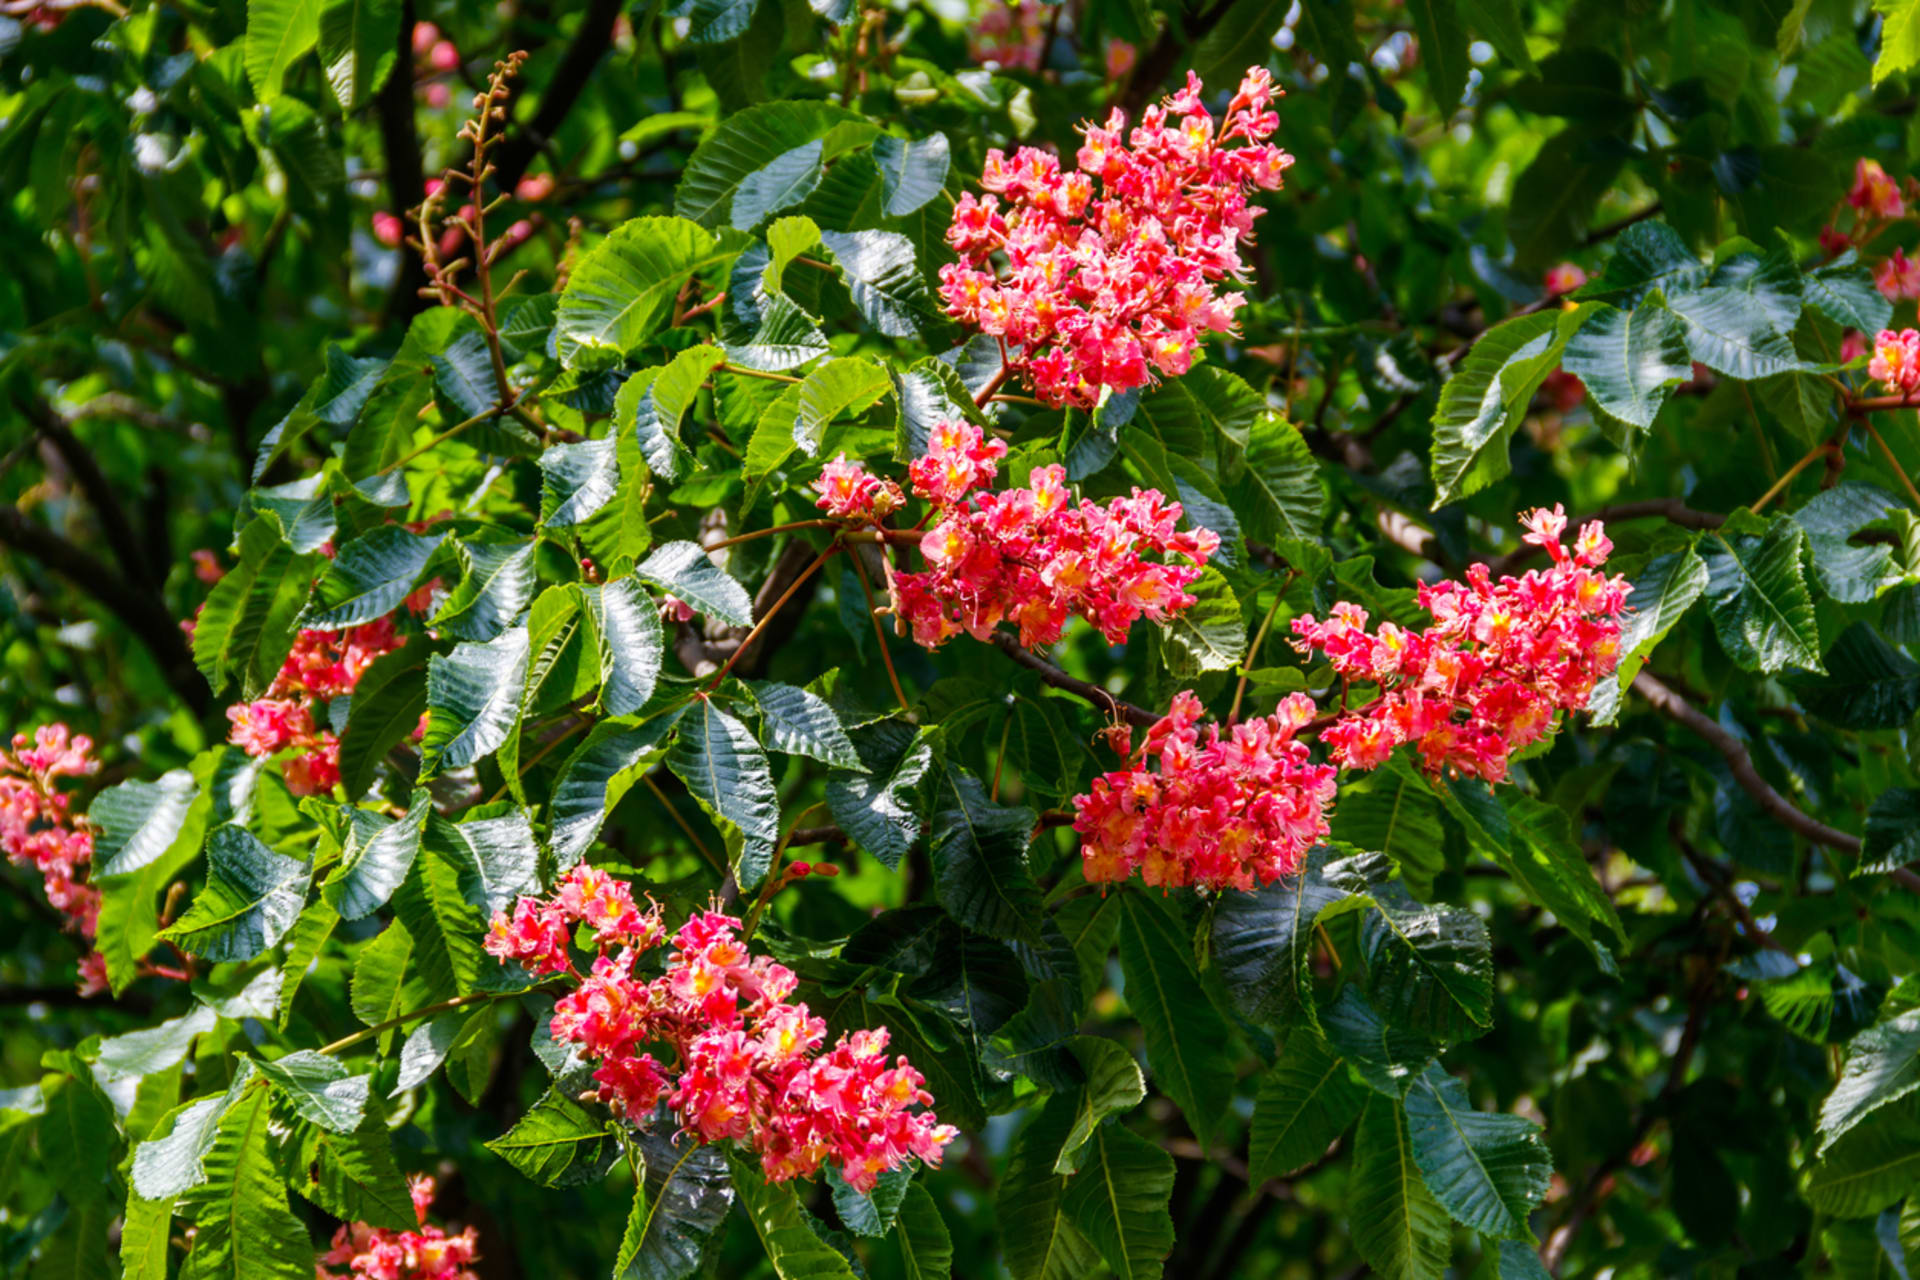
322, 666
363, 1252
1877, 201
1485, 679
1221, 812
39, 829
746, 1064
1896, 361
848, 491
1106, 276
1034, 555
1010, 34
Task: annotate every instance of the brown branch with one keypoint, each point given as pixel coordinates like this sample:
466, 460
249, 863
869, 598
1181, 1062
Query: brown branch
590, 43
118, 531
406, 178
1092, 693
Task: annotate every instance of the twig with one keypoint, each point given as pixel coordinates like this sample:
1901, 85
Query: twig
1092, 693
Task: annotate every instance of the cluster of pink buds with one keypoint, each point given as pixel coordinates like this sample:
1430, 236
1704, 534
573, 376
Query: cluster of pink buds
434, 59
1896, 361
1877, 202
1485, 679
39, 829
1221, 812
848, 491
744, 1064
361, 1252
1106, 276
1035, 556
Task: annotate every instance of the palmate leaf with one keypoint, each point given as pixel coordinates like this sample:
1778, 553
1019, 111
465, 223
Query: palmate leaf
781, 183
358, 46
135, 821
252, 897
1114, 1086
1275, 486
576, 480
794, 1249
473, 700
1304, 1103
658, 413
982, 877
304, 510
557, 1143
1849, 571
1869, 684
621, 290
1119, 1199
1883, 1066
244, 1229
1488, 1169
681, 1201
801, 723
1039, 1241
729, 774
1263, 943
1757, 596
1488, 394
1731, 332
376, 859
320, 1088
912, 171
156, 1048
1398, 1227
596, 776
1429, 969
1187, 1041
926, 1248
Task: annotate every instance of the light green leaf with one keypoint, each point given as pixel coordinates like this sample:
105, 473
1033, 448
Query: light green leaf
1114, 1085
1487, 396
1208, 635
836, 388
1883, 1066
370, 577
151, 1049
244, 1229
1899, 37
135, 822
1630, 361
576, 480
359, 41
376, 859
1870, 1167
252, 897
557, 1143
278, 33
321, 1088
620, 291
800, 723
473, 700
628, 638
684, 569
796, 1252
742, 144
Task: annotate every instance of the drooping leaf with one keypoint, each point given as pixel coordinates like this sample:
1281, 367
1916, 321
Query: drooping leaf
1630, 361
1186, 1040
279, 32
388, 702
1870, 1167
1486, 1168
1263, 943
1114, 1086
1883, 1066
473, 699
1304, 1103
252, 897
684, 569
376, 859
741, 145
359, 41
244, 1229
1397, 1225
250, 618
800, 723
629, 640
320, 1088
557, 1143
1388, 1057
1119, 1199
1488, 394
728, 773
370, 576
1039, 1239
838, 387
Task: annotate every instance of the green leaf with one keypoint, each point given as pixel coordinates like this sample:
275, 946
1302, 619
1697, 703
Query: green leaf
1843, 291
870, 1213
473, 700
1488, 395
1630, 361
496, 586
1393, 811
1119, 1200
576, 480
278, 33
883, 275
1486, 1168
1429, 969
1662, 593
912, 171
781, 183
1869, 684
684, 569
320, 1088
876, 807
926, 1249
678, 1207
1263, 943
248, 624
1443, 51
1276, 492
621, 290
839, 387
309, 934
628, 637
252, 897
1304, 1103
244, 1229
1039, 1241
1893, 832
1849, 571
741, 145
135, 822
1899, 38
796, 1252
981, 874
1186, 1040
1208, 635
1560, 189
370, 577
728, 773
172, 1160
557, 1143
359, 41
144, 1239
1533, 841
351, 1175
1114, 1085
380, 980
1730, 332
304, 510
376, 859
1500, 22
1757, 597
657, 415
387, 705
801, 723
1883, 1066
1388, 1057
594, 779
1869, 1168
1397, 1225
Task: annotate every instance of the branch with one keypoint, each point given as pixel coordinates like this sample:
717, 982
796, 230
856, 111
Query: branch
406, 181
1093, 693
127, 547
140, 611
564, 87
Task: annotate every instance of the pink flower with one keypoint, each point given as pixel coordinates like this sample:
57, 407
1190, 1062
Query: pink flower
388, 229
1564, 278
1220, 812
674, 609
365, 1252
849, 492
1896, 361
1874, 193
1897, 277
1109, 276
1853, 345
39, 830
1010, 35
1500, 659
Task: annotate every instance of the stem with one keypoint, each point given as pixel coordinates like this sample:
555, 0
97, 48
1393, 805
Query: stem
1000, 761
1253, 650
880, 635
770, 615
1894, 463
769, 532
1818, 451
347, 1042
447, 435
755, 373
994, 383
674, 813
774, 878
